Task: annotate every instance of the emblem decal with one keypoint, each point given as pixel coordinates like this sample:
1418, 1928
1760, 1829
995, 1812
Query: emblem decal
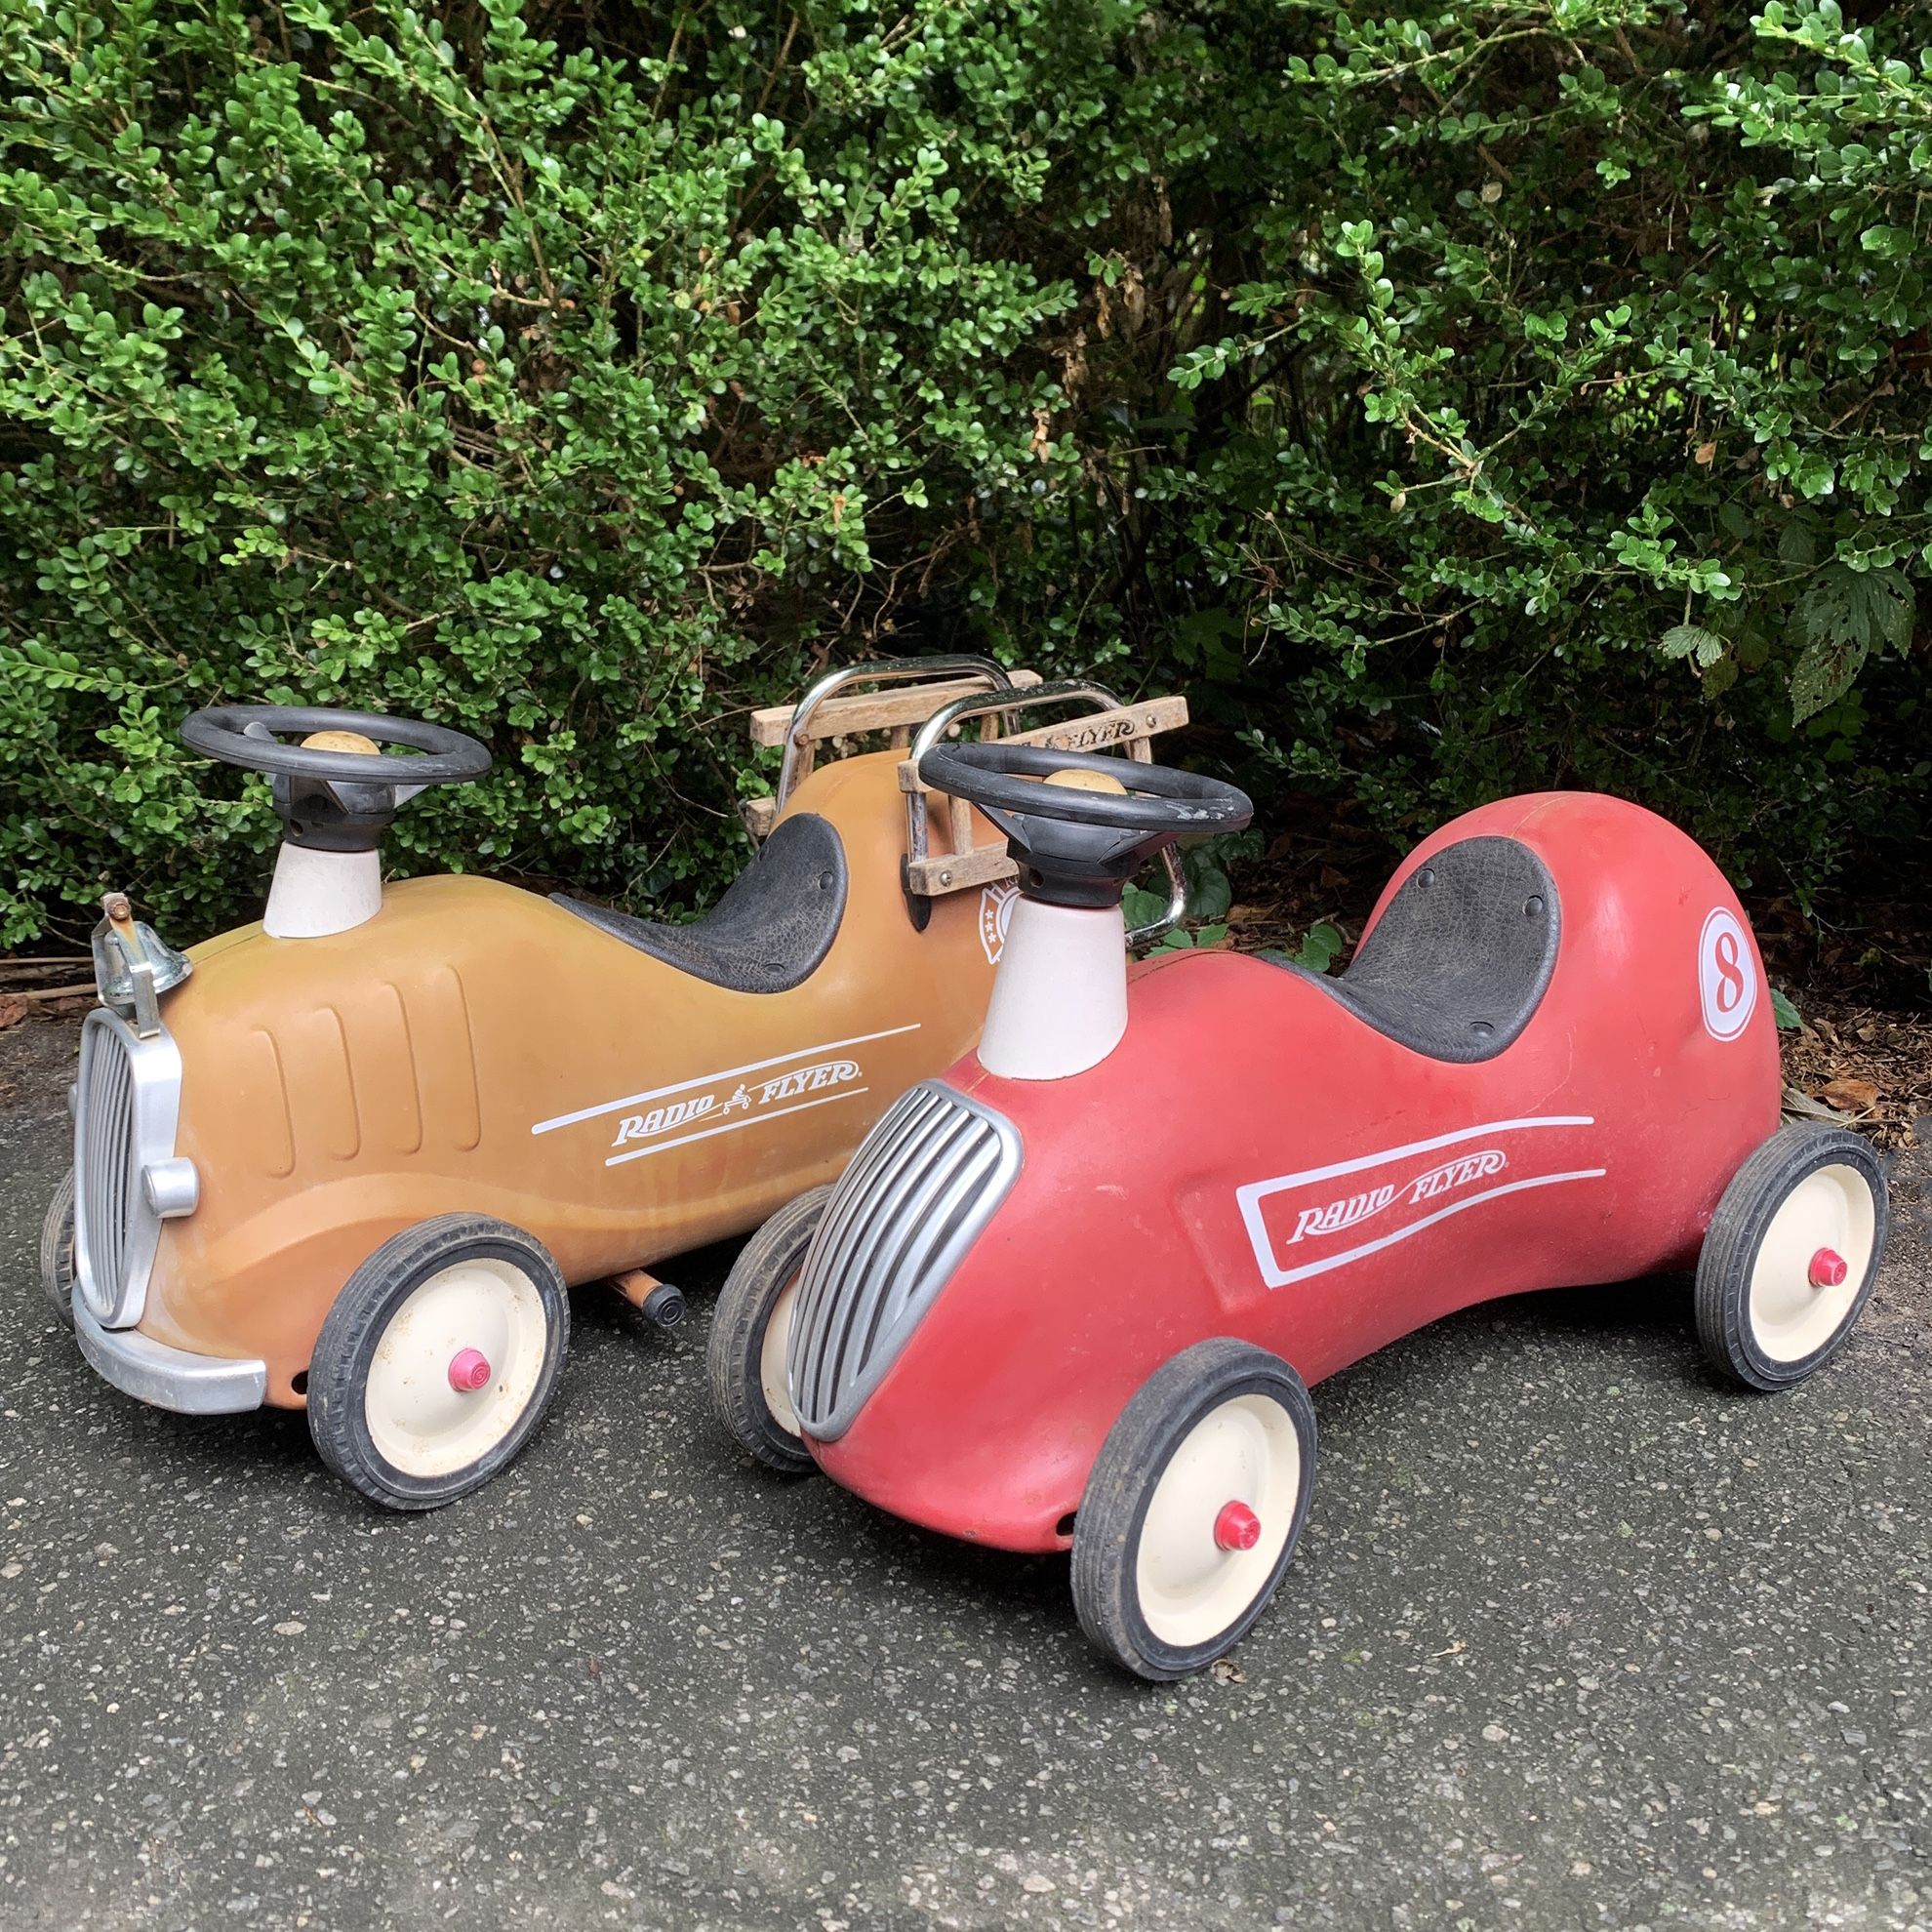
755, 1098
695, 1110
1351, 1208
1726, 975
1293, 1220
995, 916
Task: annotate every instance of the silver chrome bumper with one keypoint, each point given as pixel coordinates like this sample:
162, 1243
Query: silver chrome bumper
167, 1377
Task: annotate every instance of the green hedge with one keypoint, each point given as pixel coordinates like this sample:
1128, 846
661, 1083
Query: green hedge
1471, 397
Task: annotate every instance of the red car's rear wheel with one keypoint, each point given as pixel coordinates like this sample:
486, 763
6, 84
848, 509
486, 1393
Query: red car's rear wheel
1791, 1256
1193, 1508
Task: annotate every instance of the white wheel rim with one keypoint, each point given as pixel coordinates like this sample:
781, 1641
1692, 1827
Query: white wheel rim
772, 1377
1791, 1318
1191, 1590
418, 1422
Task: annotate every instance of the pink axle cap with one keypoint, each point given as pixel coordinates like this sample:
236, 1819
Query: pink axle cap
469, 1371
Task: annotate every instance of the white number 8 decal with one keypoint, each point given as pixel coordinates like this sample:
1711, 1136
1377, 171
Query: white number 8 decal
1726, 975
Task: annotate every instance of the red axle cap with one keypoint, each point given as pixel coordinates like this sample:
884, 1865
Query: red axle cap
1237, 1527
1828, 1268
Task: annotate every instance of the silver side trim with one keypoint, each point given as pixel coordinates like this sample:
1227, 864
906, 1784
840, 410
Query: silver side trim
167, 1377
920, 1189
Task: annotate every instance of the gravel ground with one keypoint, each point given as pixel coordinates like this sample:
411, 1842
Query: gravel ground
1576, 1638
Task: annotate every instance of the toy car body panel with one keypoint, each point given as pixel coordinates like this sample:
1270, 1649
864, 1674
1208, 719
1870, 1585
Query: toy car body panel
1258, 1159
474, 1047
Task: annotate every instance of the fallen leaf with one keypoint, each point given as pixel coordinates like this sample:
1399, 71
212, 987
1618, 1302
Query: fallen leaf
1800, 1103
1850, 1095
13, 1010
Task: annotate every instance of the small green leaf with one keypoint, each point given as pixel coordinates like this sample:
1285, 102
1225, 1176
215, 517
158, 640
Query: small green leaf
1692, 640
1209, 894
1318, 950
1785, 1013
1888, 241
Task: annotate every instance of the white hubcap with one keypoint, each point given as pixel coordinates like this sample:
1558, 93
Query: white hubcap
771, 1359
1191, 1589
417, 1419
1831, 1209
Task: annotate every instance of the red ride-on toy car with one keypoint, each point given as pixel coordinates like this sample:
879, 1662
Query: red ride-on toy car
1074, 1293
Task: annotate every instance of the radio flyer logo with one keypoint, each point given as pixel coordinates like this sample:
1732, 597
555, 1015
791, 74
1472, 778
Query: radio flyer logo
1324, 1217
1351, 1208
744, 1099
724, 1102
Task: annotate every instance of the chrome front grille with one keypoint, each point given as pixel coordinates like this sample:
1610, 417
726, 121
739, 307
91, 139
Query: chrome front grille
104, 1174
924, 1183
127, 1104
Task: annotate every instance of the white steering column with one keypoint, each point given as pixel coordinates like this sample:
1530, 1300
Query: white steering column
1059, 1001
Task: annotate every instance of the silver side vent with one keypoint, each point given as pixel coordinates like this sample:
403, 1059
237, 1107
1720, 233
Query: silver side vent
924, 1183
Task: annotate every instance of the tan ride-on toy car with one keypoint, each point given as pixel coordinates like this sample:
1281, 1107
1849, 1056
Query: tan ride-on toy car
350, 1158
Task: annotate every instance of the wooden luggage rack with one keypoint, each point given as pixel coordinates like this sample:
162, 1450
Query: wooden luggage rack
935, 695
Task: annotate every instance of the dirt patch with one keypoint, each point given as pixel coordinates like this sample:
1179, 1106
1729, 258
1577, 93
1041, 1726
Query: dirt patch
1865, 1069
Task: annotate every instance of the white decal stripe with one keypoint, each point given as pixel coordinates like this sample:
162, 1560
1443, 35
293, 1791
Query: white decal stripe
756, 1120
713, 1079
1280, 1277
1256, 1189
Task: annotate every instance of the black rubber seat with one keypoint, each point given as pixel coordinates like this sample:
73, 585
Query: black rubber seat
775, 923
1462, 958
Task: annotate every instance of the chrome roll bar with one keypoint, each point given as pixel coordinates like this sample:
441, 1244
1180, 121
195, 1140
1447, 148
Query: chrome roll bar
884, 671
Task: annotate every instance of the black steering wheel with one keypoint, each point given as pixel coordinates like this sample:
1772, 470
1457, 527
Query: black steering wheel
1076, 846
336, 800
250, 734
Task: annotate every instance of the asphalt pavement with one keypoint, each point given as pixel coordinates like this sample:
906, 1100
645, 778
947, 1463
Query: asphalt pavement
1577, 1639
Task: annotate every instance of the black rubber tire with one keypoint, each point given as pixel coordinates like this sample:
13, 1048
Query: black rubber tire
57, 1252
1107, 1532
1745, 1210
734, 1357
339, 1369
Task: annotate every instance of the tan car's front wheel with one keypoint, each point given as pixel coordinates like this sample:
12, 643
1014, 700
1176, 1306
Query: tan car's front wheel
438, 1360
749, 1332
57, 1252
